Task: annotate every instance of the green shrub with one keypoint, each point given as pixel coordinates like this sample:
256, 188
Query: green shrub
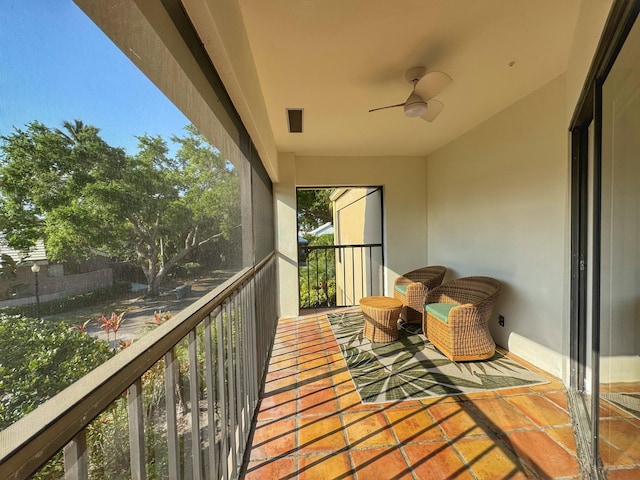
39, 359
317, 279
322, 240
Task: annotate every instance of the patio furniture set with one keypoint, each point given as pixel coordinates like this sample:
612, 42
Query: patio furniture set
454, 315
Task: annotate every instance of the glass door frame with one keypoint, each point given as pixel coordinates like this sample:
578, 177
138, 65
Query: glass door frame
584, 408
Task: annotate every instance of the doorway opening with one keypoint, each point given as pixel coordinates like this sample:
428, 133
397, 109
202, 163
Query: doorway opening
340, 245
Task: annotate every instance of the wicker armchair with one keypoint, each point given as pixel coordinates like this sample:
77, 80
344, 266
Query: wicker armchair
456, 317
411, 289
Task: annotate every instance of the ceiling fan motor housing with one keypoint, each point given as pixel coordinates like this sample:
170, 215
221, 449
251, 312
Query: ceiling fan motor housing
414, 74
415, 106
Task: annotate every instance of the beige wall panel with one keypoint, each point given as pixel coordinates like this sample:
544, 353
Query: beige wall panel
284, 196
497, 207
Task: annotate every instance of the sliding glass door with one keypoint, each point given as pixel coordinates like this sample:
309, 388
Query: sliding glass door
605, 350
619, 332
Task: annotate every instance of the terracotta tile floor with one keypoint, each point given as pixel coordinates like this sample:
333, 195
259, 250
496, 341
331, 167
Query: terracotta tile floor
312, 425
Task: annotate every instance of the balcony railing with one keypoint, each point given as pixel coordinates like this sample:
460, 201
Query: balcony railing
338, 275
178, 403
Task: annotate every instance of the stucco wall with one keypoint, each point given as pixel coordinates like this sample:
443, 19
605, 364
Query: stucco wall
357, 216
497, 201
284, 197
357, 219
521, 158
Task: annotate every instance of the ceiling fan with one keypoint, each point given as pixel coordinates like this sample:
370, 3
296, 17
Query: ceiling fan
421, 102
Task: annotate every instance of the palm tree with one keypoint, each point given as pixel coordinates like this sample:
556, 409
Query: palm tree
73, 131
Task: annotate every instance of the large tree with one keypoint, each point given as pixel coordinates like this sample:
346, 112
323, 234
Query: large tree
314, 208
69, 187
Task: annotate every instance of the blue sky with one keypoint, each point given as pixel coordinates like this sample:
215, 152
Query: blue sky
56, 65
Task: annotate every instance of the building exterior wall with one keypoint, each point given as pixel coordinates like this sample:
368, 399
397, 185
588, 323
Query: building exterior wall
357, 216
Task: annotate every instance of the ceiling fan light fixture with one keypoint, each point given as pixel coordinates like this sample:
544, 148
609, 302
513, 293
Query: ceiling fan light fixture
415, 106
421, 103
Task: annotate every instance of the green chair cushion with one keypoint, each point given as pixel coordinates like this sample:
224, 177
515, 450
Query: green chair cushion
440, 310
401, 288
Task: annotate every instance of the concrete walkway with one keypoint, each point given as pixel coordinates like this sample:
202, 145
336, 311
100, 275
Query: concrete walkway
139, 311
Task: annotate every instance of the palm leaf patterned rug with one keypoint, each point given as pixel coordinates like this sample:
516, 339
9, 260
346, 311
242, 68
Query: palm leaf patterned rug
412, 368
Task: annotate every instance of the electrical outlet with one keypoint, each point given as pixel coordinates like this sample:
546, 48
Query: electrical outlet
501, 320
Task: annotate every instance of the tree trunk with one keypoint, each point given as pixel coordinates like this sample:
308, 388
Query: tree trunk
154, 286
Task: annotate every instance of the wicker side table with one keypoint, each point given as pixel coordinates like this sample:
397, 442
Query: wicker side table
381, 318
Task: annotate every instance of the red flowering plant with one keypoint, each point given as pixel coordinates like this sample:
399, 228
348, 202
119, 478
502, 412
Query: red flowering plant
111, 324
159, 318
81, 327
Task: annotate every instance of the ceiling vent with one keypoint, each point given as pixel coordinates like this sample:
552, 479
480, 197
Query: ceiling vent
294, 119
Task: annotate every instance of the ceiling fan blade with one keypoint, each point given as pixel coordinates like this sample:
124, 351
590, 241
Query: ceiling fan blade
388, 106
434, 107
432, 84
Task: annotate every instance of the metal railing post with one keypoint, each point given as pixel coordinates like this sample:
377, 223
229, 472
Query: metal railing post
136, 431
76, 458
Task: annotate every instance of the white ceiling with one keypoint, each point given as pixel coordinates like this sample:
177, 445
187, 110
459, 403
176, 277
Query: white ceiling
339, 58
